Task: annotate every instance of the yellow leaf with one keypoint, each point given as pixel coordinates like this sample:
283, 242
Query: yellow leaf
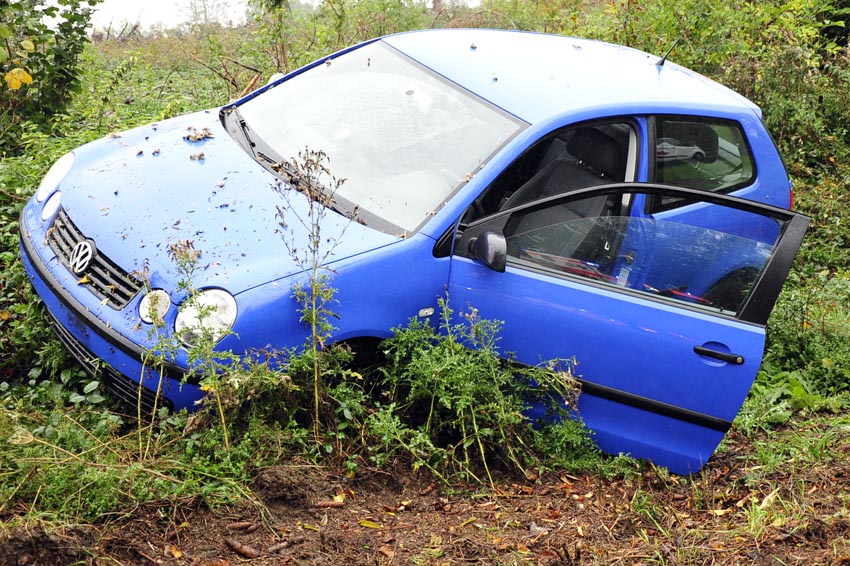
368, 524
339, 498
28, 45
12, 81
720, 512
83, 280
17, 77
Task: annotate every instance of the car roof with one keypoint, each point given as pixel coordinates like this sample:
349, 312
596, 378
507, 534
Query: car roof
538, 76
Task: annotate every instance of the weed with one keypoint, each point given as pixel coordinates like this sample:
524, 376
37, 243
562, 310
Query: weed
808, 333
455, 405
308, 174
643, 505
214, 367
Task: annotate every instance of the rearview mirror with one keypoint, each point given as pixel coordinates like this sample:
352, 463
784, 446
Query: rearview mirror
491, 249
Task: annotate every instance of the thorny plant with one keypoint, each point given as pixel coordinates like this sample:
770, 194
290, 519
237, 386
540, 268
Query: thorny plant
199, 341
309, 175
153, 361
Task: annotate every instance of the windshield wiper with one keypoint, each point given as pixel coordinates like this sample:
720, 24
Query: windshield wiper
227, 117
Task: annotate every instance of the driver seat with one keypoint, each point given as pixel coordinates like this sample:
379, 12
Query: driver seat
597, 160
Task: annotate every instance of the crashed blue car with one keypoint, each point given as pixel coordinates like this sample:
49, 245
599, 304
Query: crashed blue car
531, 176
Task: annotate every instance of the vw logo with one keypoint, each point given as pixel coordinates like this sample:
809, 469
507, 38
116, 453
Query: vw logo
81, 257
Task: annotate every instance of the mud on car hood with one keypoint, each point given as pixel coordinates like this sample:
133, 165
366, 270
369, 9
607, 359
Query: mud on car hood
136, 193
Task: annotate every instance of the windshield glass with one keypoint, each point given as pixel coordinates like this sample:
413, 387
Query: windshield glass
403, 138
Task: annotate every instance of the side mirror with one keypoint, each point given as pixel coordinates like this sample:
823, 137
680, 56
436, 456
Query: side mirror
491, 249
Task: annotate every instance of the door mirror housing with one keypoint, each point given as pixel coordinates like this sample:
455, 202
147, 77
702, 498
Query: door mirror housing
491, 249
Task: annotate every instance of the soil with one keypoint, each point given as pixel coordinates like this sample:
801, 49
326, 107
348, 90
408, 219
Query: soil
311, 516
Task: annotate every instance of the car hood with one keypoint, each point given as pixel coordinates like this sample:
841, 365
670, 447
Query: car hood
137, 193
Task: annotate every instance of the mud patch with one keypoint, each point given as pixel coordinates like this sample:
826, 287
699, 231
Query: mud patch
24, 546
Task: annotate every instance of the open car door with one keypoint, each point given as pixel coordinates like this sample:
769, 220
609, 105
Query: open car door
665, 317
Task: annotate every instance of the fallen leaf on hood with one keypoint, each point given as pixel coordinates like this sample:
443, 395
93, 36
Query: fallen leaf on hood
196, 135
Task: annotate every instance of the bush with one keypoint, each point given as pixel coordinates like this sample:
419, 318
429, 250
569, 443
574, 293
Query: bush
453, 404
39, 62
809, 332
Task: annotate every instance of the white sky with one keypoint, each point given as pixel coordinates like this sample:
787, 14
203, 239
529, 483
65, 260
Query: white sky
168, 13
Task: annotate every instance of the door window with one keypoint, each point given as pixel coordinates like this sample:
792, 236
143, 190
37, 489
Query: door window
598, 238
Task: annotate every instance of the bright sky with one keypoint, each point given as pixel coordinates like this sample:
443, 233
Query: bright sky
169, 13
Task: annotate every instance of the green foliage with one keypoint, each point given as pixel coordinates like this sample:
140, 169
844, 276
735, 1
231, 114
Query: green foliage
820, 195
778, 395
295, 34
455, 407
806, 363
809, 331
40, 63
80, 466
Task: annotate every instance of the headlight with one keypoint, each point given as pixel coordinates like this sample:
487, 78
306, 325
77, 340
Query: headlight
54, 176
207, 315
154, 305
51, 206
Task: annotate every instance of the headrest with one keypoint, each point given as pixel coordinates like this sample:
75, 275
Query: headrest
599, 151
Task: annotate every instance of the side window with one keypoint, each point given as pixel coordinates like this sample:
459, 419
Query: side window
584, 155
700, 153
598, 239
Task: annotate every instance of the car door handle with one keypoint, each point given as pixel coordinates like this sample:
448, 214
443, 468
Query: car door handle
723, 356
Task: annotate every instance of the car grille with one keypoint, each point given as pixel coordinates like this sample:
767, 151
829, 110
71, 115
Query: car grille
103, 277
116, 383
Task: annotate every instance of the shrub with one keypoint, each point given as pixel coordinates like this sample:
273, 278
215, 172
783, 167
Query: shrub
809, 332
39, 62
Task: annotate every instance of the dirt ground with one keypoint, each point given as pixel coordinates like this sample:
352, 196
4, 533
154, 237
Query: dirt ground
311, 516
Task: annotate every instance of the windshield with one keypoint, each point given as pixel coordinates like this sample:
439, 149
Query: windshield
403, 138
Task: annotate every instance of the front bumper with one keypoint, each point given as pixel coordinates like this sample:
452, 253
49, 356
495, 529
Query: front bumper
101, 350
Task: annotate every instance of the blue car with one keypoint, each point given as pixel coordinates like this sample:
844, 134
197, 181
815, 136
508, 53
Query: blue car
523, 174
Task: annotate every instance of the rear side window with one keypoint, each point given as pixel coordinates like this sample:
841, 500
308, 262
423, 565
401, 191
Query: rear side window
700, 153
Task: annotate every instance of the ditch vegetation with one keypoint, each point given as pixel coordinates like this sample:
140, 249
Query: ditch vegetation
305, 458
